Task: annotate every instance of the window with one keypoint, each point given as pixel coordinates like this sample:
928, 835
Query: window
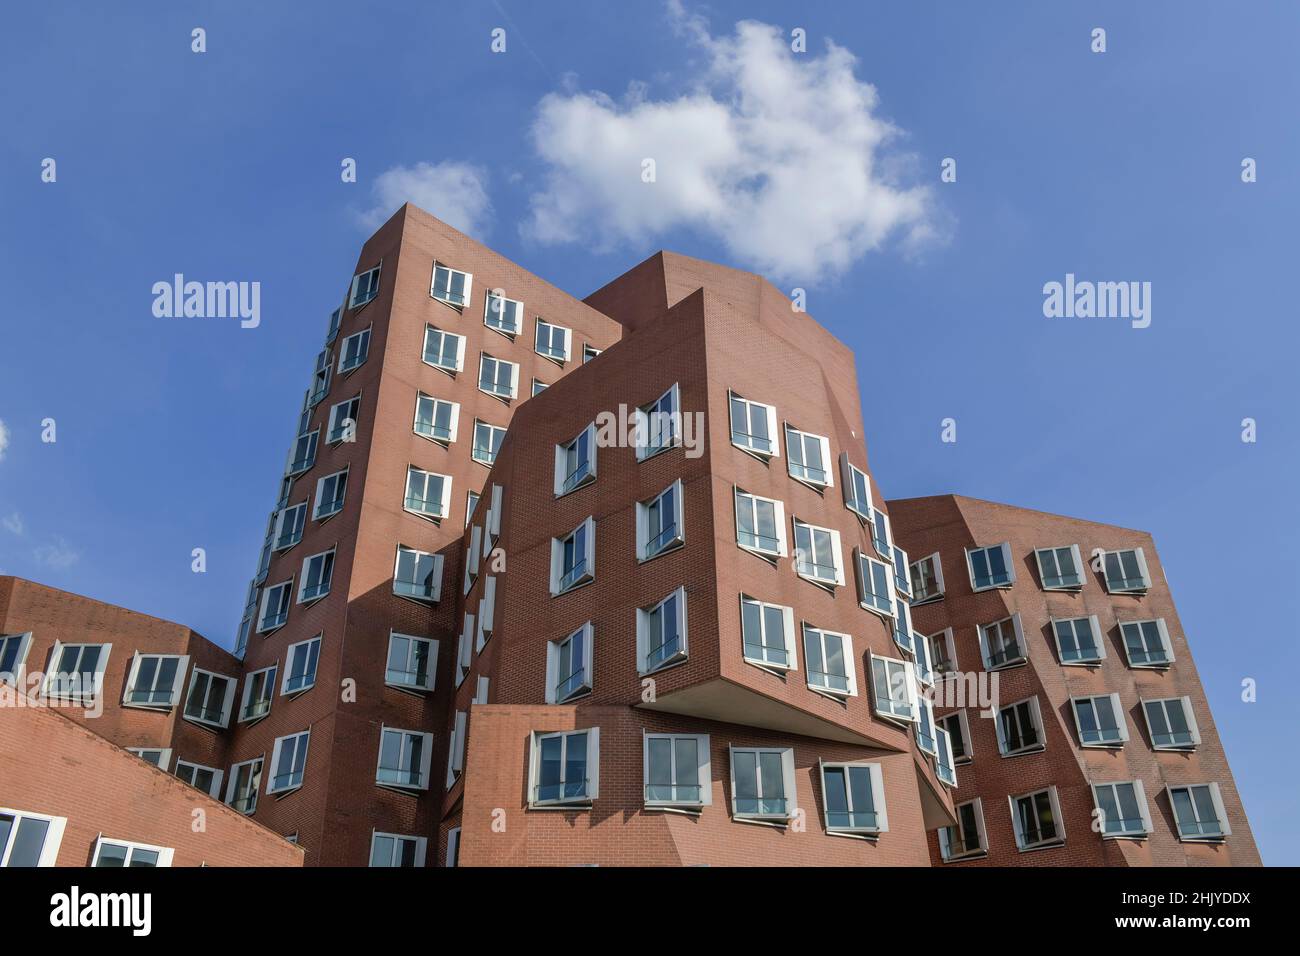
353, 352
481, 691
464, 649
967, 838
828, 657
817, 554
661, 633
944, 767
300, 666
343, 421
456, 751
268, 542
1060, 569
1126, 571
303, 454
1020, 728
991, 567
902, 625
330, 493
365, 286
1171, 724
245, 782
1036, 819
418, 574
471, 503
552, 341
926, 577
1123, 809
404, 757
575, 461
412, 662
857, 488
1100, 720
159, 757
246, 620
207, 779
753, 427
875, 585
259, 688
925, 726
498, 377
76, 671
472, 558
320, 380
436, 418
921, 655
589, 353
444, 350
492, 524
943, 652
658, 425
760, 524
288, 761
854, 798
767, 632
13, 654
893, 685
902, 574
1078, 640
487, 442
336, 319
486, 611
29, 839
568, 666
392, 849
573, 558
504, 315
120, 853
880, 536
453, 847
564, 768
210, 698
317, 572
762, 783
1002, 644
1147, 643
427, 494
677, 772
809, 457
155, 680
289, 523
539, 387
659, 523
451, 286
957, 727
1199, 812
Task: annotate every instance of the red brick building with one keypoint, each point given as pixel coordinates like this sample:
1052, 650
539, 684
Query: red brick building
660, 619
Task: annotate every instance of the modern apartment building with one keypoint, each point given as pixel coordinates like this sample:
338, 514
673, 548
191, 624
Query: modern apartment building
1101, 749
564, 582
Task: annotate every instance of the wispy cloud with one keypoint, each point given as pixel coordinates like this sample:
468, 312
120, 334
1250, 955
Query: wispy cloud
13, 523
58, 555
782, 157
455, 192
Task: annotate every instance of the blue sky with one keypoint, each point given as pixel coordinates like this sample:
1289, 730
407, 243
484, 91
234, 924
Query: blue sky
1115, 166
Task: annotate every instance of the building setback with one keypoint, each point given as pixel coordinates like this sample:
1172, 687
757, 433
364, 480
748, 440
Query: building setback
554, 582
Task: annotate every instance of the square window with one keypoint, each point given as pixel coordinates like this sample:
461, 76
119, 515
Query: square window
121, 853
857, 488
427, 494
926, 577
573, 558
1002, 643
393, 849
365, 286
1036, 819
1171, 724
818, 555
303, 454
760, 524
412, 662
659, 523
444, 350
29, 839
1100, 720
753, 427
451, 286
957, 727
1020, 728
564, 768
321, 376
76, 671
353, 352
498, 377
275, 606
575, 462
991, 567
943, 653
902, 625
967, 838
436, 418
1079, 641
1126, 571
155, 680
245, 782
418, 574
762, 783
894, 692
504, 315
336, 320
854, 798
206, 779
289, 524
487, 442
808, 457
829, 659
331, 491
1147, 643
404, 757
288, 762
677, 770
568, 666
210, 698
1060, 569
767, 634
1199, 812
552, 341
661, 633
317, 573
881, 538
343, 421
259, 688
875, 585
1123, 809
659, 424
300, 666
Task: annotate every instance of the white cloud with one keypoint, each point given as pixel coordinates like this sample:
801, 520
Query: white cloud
454, 192
4, 439
780, 156
58, 555
13, 523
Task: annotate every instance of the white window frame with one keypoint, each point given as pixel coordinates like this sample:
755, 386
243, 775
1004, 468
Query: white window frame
806, 566
643, 617
338, 417
588, 565
464, 650
164, 756
1098, 641
227, 704
283, 588
773, 428
363, 351
1058, 821
1021, 658
1216, 799
321, 378
1189, 715
945, 841
849, 475
298, 515
423, 598
165, 854
300, 751
1129, 588
23, 641
370, 280
963, 723
133, 676
456, 748
567, 481
1080, 568
474, 442
296, 465
258, 765
447, 297
877, 779
592, 768
486, 612
778, 514
1139, 797
827, 467
453, 419
501, 304
326, 576
669, 543
426, 758
459, 365
650, 422
269, 684
937, 564
431, 655
473, 558
1161, 629
823, 636
513, 391
444, 504
703, 770
950, 658
1007, 561
214, 789
54, 828
882, 535
589, 352
895, 670
51, 688
551, 327
337, 501
882, 605
788, 785
399, 840
1035, 723
285, 690
1117, 711
538, 387
787, 637
553, 675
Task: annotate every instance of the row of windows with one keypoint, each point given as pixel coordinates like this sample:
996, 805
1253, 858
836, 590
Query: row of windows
1120, 808
32, 839
1059, 569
